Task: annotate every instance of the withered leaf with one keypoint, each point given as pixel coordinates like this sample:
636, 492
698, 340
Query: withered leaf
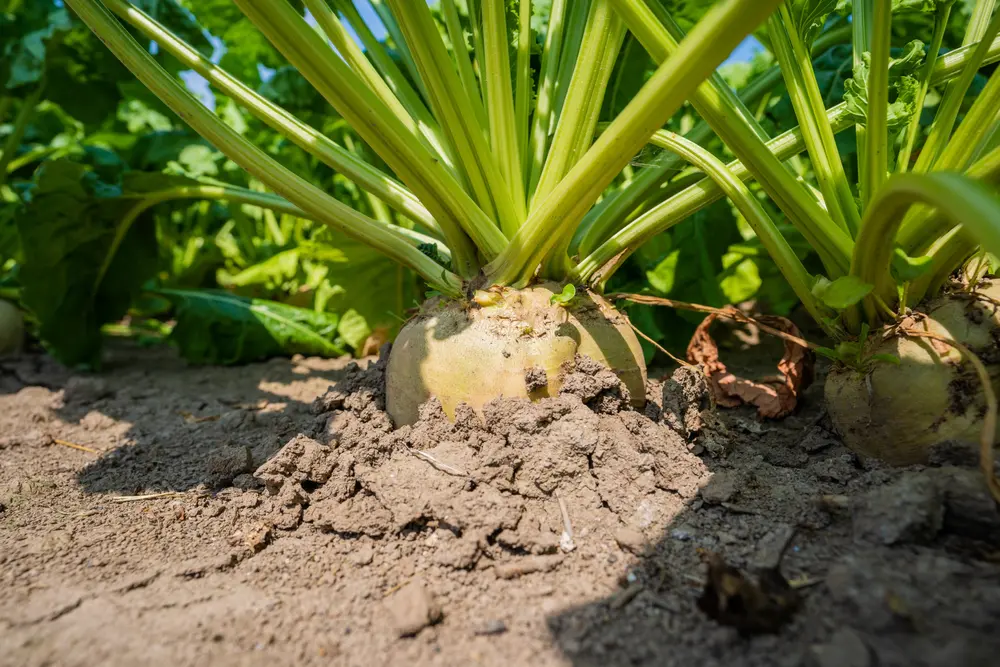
774, 397
760, 607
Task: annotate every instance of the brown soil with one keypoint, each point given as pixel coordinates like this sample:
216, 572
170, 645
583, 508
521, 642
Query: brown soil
300, 528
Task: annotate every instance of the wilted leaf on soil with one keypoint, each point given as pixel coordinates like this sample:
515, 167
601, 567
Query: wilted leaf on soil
760, 607
774, 396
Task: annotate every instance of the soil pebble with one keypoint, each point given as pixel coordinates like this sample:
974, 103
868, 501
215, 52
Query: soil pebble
909, 510
535, 379
227, 463
413, 608
721, 488
846, 648
494, 627
631, 540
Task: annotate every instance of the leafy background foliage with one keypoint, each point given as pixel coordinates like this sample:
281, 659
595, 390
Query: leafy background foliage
83, 144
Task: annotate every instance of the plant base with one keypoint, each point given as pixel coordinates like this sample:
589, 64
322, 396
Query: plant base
461, 352
897, 413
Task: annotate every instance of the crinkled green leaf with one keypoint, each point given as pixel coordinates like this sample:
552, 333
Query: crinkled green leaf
354, 328
24, 42
283, 268
661, 277
378, 289
810, 16
68, 228
841, 293
903, 87
216, 327
741, 278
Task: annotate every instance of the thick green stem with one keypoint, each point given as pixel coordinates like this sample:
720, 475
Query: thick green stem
466, 73
741, 134
954, 94
919, 232
641, 193
503, 124
913, 128
862, 22
482, 168
544, 103
305, 137
397, 95
21, 122
613, 252
975, 130
522, 91
576, 25
402, 48
752, 210
876, 153
807, 101
601, 43
960, 199
697, 56
317, 204
444, 197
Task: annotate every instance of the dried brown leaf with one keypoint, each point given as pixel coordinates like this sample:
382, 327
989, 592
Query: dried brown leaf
774, 397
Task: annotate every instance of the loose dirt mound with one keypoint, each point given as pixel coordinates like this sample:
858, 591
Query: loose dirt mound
230, 517
525, 478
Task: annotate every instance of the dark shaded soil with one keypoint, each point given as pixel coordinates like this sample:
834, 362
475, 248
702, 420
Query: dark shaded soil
295, 526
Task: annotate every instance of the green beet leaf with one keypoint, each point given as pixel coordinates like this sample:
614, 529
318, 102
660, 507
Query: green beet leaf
216, 327
903, 87
565, 297
81, 269
841, 293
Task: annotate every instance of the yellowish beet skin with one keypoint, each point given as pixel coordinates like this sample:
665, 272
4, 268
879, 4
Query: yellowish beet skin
461, 352
898, 413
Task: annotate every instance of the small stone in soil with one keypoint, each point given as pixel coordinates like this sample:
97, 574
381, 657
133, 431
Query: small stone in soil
720, 488
413, 608
959, 453
631, 540
226, 463
84, 390
910, 510
845, 649
527, 565
970, 510
247, 482
494, 627
363, 555
258, 537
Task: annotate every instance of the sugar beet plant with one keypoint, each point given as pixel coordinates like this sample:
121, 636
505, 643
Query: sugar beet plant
496, 170
505, 168
923, 204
